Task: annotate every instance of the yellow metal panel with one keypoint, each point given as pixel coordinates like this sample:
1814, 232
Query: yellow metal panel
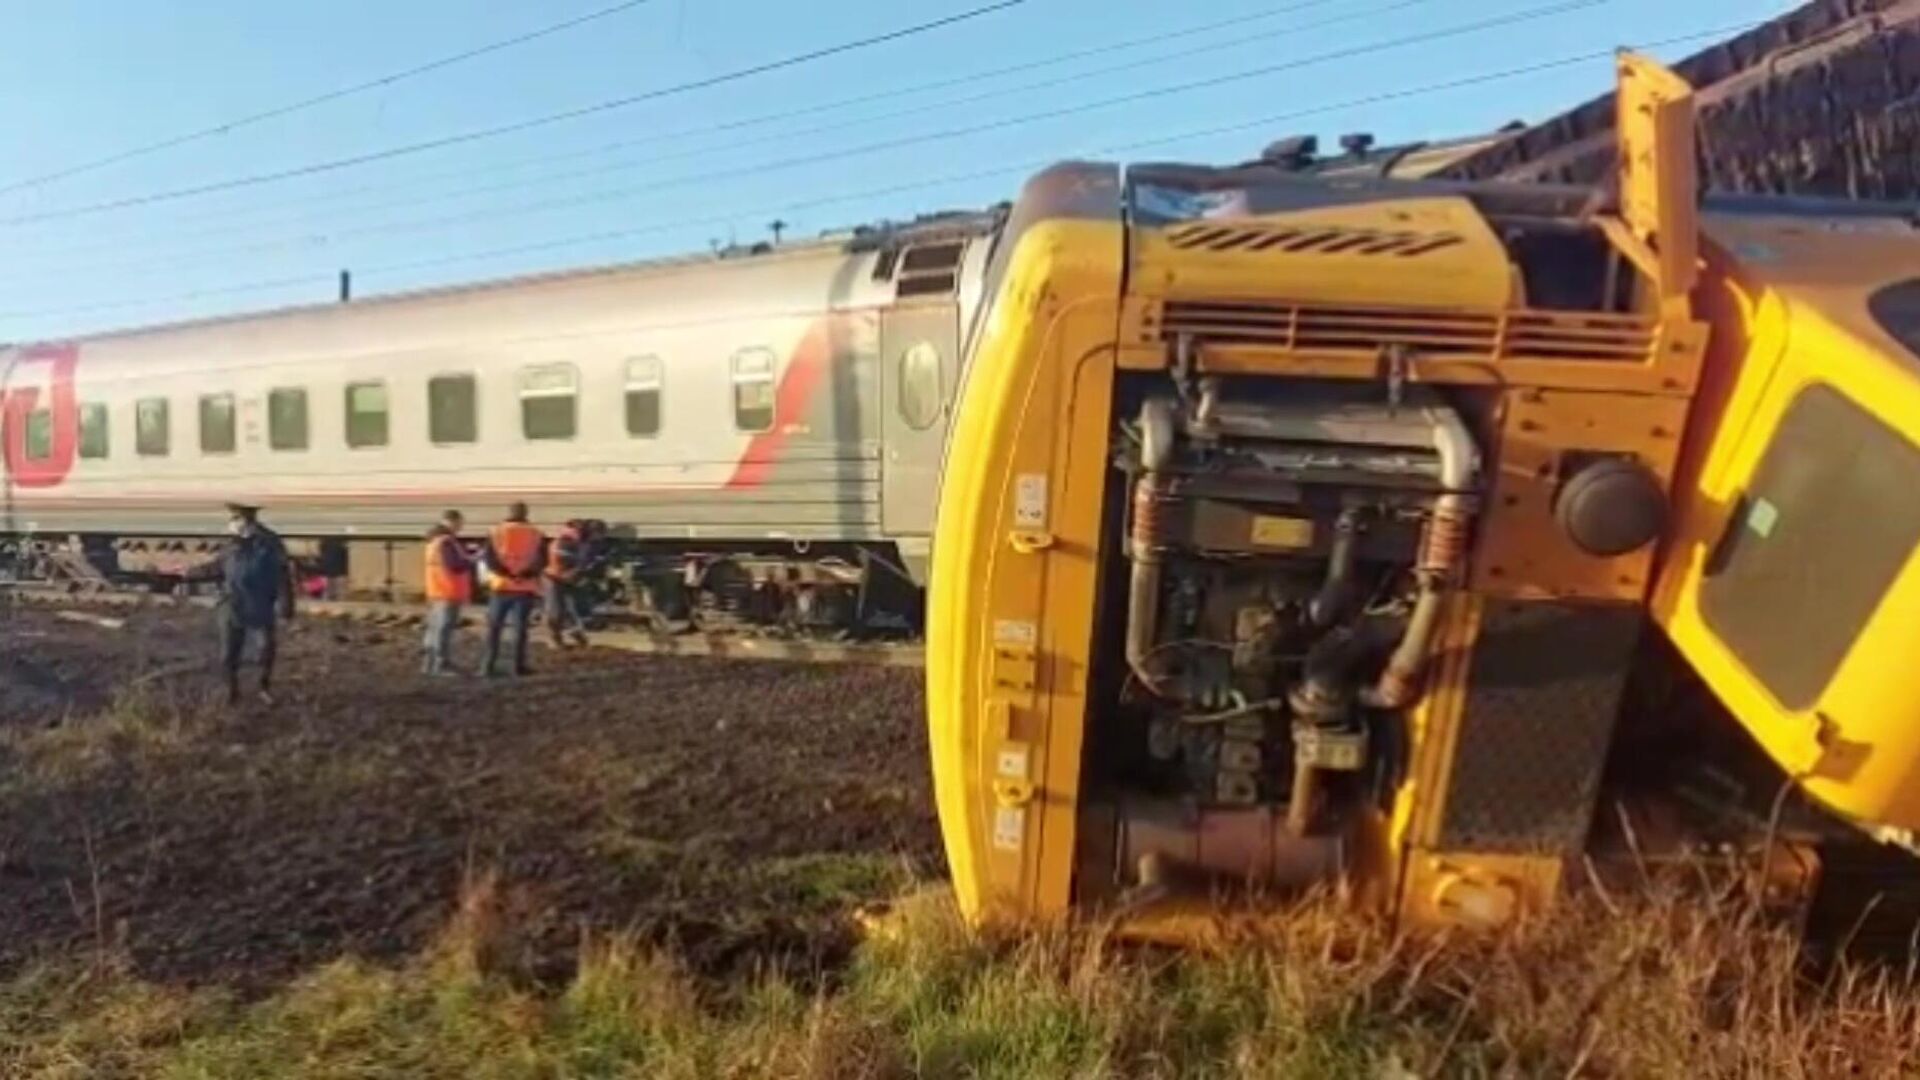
1010, 599
1433, 729
1523, 552
1655, 127
1855, 747
1629, 354
1471, 270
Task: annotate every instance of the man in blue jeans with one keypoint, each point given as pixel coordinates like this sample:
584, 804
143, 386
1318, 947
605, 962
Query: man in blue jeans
449, 583
514, 556
568, 559
258, 577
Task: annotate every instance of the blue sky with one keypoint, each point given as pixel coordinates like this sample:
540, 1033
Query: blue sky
87, 78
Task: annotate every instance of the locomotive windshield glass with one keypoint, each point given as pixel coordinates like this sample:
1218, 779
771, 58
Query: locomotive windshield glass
366, 414
1816, 540
93, 430
1897, 309
753, 390
39, 435
451, 413
547, 395
216, 424
150, 427
287, 419
643, 396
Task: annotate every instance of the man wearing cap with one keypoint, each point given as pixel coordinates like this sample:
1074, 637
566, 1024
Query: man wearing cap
514, 557
259, 584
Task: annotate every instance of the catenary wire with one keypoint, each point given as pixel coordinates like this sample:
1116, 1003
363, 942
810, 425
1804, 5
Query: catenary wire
229, 126
961, 131
315, 239
791, 114
479, 134
758, 168
792, 207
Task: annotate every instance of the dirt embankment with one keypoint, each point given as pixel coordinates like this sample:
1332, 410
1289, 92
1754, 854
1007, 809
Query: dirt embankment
739, 810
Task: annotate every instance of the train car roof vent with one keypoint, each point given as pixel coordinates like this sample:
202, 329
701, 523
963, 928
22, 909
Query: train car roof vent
928, 269
1291, 153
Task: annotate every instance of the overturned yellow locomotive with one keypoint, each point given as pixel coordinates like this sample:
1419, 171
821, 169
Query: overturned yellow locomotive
1297, 529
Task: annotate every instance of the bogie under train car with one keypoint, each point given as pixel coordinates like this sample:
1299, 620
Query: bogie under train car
759, 429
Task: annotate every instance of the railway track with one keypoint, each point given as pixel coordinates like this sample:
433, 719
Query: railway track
628, 639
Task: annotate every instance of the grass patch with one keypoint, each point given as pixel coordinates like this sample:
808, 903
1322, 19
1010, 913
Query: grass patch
1670, 988
829, 881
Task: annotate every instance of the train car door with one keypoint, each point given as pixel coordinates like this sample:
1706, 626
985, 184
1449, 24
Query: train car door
918, 349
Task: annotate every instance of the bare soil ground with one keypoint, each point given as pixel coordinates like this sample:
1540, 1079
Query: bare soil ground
738, 811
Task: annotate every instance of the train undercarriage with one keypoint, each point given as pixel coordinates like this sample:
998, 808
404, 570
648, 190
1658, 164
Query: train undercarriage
815, 591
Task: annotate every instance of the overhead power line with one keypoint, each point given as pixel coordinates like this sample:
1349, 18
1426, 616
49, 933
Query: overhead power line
278, 111
1023, 167
957, 132
891, 93
1019, 89
1034, 165
479, 134
966, 130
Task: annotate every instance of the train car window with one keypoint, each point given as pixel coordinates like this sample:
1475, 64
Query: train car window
452, 409
548, 393
643, 396
366, 414
920, 393
1897, 309
753, 390
216, 424
150, 427
93, 430
1815, 541
39, 435
287, 418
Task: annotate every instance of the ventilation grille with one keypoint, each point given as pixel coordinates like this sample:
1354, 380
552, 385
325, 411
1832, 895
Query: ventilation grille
1310, 328
1310, 240
923, 269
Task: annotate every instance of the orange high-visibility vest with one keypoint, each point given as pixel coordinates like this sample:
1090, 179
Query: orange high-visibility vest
566, 544
517, 545
444, 584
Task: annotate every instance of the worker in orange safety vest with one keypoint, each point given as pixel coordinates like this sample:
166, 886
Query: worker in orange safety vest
514, 558
449, 580
566, 561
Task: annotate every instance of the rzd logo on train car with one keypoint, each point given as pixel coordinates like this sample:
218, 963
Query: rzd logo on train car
39, 424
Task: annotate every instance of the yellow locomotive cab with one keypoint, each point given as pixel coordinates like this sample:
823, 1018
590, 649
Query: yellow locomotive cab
1791, 583
1297, 530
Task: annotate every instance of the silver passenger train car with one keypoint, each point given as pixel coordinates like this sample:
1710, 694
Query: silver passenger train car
760, 430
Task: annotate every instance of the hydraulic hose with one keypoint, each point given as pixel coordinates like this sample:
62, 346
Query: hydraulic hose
1443, 551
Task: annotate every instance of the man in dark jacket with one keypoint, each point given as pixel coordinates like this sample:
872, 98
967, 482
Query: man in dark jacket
569, 559
259, 585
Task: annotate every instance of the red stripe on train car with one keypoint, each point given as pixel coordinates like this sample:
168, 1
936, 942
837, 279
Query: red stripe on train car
806, 369
18, 402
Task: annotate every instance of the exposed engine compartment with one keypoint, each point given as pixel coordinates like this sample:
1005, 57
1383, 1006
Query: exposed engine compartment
1288, 548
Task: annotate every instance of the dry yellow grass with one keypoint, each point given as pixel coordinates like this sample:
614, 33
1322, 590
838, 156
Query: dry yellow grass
1671, 986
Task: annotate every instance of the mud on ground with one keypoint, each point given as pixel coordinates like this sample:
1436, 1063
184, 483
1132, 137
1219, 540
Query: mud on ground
738, 810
